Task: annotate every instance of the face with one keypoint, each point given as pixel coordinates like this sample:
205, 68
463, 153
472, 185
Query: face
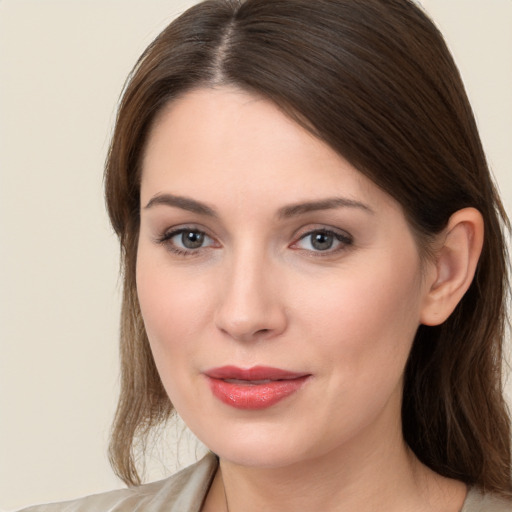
280, 288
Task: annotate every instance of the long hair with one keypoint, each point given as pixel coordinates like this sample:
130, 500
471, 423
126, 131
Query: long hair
376, 82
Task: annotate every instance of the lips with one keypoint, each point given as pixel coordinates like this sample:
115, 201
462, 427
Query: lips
253, 388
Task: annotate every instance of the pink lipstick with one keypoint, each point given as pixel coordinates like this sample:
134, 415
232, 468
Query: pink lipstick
253, 388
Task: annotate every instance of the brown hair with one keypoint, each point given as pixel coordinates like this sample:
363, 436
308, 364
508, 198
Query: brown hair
375, 81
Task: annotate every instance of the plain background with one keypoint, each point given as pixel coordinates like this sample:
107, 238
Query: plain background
62, 67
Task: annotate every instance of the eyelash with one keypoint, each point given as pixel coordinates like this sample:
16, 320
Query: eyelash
344, 240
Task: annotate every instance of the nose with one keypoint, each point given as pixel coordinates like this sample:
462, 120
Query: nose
251, 305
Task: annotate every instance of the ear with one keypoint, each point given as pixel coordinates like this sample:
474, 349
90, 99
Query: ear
456, 257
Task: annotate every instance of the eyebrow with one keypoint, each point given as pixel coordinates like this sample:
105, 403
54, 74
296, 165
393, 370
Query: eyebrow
323, 204
293, 210
185, 203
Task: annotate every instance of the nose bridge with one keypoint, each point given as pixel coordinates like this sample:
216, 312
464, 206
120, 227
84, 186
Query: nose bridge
250, 304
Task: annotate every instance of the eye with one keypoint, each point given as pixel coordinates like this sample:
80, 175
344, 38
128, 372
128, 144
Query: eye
191, 239
323, 240
186, 240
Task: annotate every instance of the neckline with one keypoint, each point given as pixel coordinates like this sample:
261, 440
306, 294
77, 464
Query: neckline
473, 495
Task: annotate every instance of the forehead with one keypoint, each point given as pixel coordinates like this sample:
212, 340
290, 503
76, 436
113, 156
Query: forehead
212, 143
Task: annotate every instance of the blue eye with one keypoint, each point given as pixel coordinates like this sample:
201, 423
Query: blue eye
323, 240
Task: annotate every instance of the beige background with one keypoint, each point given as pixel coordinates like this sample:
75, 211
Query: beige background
62, 66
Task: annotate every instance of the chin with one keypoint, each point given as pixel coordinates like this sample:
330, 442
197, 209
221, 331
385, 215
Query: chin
263, 458
257, 446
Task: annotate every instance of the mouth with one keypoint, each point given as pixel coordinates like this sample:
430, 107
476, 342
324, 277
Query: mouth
254, 388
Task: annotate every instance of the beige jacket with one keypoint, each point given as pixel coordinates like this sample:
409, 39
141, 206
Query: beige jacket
185, 492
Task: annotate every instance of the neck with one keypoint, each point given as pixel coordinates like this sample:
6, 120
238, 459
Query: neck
374, 474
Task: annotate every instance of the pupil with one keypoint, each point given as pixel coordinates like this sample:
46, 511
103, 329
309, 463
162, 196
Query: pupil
322, 241
192, 239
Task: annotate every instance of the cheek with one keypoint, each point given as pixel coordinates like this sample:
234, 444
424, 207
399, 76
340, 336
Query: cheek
173, 308
169, 315
365, 322
171, 302
362, 333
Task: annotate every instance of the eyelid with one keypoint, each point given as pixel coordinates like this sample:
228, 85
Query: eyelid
174, 230
314, 228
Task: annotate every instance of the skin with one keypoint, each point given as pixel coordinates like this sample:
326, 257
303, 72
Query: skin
259, 292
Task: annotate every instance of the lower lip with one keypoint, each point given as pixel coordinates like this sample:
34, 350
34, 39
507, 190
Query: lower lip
255, 396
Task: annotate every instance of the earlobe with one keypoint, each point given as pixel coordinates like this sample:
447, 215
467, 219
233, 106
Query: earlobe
456, 259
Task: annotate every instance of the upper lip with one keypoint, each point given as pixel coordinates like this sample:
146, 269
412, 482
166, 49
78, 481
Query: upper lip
255, 373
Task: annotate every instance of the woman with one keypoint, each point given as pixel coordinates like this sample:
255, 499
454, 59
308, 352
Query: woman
314, 265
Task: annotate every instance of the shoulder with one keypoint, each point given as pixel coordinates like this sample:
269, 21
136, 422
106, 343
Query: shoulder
479, 502
184, 491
